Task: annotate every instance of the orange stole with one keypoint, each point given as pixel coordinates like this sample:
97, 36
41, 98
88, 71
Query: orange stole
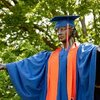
52, 77
53, 71
71, 72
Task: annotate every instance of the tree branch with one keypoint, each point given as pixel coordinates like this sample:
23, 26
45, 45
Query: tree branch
15, 1
45, 39
6, 4
49, 43
94, 20
46, 32
83, 26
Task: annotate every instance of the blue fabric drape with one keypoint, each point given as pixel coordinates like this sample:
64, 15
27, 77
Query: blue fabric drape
29, 76
86, 71
62, 78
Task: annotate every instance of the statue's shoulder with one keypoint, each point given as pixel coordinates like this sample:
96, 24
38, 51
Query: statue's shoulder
86, 44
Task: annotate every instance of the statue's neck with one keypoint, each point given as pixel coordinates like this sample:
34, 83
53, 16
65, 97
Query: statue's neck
71, 41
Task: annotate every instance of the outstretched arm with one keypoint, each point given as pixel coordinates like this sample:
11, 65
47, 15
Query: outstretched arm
2, 66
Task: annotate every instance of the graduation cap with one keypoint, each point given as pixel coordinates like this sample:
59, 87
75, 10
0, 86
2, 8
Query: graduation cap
62, 21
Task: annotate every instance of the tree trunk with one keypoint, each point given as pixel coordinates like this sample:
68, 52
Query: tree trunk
83, 26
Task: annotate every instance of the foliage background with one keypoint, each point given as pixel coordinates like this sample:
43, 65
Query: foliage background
25, 30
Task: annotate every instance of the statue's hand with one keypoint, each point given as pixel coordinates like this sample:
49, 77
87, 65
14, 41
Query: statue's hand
2, 67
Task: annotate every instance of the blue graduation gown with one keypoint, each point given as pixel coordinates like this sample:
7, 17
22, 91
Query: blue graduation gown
86, 71
29, 76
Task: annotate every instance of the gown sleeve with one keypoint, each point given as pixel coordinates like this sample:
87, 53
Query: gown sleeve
86, 66
28, 75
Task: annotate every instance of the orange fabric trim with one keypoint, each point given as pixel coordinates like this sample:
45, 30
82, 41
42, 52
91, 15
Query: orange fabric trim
53, 70
71, 72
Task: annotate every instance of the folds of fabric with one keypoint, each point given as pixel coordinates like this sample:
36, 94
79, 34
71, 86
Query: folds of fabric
29, 75
71, 72
57, 75
37, 78
86, 71
52, 77
62, 78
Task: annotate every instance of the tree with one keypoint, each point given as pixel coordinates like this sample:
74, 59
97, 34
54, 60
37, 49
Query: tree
25, 29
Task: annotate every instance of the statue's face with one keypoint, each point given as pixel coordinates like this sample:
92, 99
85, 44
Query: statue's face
62, 31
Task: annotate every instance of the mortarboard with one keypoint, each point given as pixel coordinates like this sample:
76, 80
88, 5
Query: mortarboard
62, 21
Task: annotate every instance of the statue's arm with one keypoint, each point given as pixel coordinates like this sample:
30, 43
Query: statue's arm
2, 66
